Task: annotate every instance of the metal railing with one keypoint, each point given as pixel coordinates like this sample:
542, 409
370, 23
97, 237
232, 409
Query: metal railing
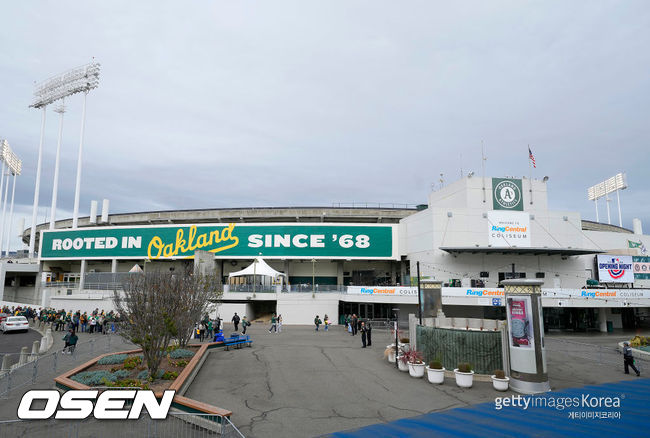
249, 288
28, 369
176, 425
317, 288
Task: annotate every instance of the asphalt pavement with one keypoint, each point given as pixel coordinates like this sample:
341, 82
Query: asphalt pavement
12, 342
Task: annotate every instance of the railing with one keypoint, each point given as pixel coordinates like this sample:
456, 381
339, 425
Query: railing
372, 205
249, 288
317, 288
28, 369
177, 425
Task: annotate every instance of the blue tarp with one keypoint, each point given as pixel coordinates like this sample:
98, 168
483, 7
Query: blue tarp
542, 418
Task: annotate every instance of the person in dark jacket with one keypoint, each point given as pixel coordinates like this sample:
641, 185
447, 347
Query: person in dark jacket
628, 359
369, 333
235, 321
364, 332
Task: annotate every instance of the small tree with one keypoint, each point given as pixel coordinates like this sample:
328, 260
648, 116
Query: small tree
158, 306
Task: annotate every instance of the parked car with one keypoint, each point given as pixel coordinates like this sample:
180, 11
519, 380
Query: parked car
3, 316
14, 323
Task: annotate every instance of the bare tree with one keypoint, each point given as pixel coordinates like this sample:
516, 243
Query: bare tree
157, 306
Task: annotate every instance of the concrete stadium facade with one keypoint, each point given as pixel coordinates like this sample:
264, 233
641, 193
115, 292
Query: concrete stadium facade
471, 235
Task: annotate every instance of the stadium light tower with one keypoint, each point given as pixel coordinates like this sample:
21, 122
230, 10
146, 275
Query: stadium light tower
603, 189
78, 80
14, 167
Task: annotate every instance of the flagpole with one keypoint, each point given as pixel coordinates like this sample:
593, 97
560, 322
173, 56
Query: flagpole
483, 168
530, 175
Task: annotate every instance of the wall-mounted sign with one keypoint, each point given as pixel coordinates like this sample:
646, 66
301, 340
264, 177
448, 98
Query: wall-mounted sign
615, 269
508, 229
403, 291
641, 267
224, 240
507, 194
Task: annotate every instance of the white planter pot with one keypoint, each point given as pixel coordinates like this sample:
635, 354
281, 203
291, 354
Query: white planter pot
436, 376
464, 380
391, 357
402, 365
500, 384
416, 369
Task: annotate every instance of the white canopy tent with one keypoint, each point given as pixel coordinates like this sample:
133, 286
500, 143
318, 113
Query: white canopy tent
259, 267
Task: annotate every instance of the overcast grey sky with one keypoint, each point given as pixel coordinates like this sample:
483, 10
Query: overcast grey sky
227, 104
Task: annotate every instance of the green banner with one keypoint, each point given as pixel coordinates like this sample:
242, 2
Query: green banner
641, 267
507, 194
224, 240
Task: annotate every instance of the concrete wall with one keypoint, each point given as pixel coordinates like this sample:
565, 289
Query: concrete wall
300, 308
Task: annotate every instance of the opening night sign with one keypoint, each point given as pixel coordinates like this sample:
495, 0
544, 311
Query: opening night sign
224, 240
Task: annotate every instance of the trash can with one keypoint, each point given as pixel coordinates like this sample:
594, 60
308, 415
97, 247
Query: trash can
610, 327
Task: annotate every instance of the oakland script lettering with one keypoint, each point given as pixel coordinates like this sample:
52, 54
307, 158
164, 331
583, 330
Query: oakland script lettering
181, 246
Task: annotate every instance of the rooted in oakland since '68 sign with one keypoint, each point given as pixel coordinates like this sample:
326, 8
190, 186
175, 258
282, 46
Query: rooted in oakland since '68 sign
224, 240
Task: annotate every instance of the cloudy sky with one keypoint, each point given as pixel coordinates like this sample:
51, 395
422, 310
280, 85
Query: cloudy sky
286, 103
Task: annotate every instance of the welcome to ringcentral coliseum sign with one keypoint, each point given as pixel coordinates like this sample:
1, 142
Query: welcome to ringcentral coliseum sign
224, 240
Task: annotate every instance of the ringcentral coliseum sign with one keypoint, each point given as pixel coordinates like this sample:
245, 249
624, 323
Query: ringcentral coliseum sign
224, 240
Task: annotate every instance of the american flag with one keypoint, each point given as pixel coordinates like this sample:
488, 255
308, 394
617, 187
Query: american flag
531, 157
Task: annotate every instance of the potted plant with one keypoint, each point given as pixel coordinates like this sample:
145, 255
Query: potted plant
402, 361
436, 372
415, 363
464, 375
404, 343
500, 381
389, 353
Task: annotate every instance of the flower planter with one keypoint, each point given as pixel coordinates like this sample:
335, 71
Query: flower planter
464, 380
403, 366
391, 357
500, 384
436, 376
416, 369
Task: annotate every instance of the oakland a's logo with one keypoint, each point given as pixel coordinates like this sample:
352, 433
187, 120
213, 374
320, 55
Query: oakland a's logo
507, 194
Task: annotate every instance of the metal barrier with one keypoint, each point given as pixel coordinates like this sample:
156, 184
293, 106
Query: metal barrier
27, 370
177, 425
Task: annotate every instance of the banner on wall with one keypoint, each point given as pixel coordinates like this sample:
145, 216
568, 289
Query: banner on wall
383, 290
507, 194
615, 269
508, 229
641, 268
224, 240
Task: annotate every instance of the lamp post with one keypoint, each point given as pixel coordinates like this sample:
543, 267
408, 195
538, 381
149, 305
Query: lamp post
78, 80
419, 294
396, 313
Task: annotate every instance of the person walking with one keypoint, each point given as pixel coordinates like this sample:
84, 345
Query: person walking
326, 321
363, 334
279, 323
628, 359
235, 321
274, 324
369, 334
201, 332
317, 322
209, 330
354, 323
244, 324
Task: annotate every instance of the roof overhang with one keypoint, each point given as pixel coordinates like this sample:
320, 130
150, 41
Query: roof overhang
519, 251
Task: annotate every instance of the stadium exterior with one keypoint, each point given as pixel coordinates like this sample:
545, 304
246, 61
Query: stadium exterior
471, 235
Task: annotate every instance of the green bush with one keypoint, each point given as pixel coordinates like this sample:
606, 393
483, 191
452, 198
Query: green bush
181, 353
435, 365
112, 359
128, 383
144, 375
132, 362
121, 374
180, 363
94, 378
499, 374
170, 375
464, 368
